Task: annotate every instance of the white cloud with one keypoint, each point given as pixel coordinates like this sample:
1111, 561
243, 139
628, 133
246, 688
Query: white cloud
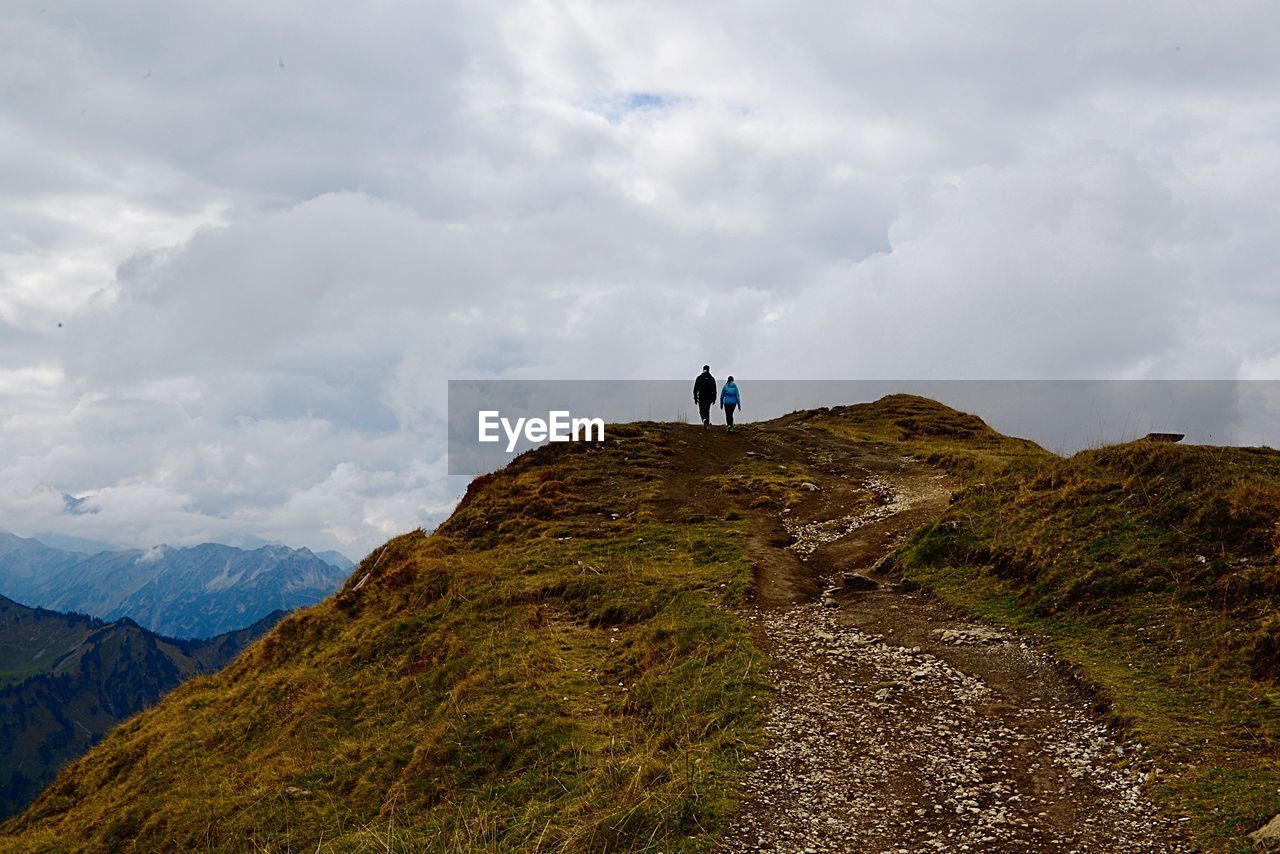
271, 237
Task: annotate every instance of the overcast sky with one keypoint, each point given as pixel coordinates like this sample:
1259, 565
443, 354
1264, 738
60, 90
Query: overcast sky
244, 245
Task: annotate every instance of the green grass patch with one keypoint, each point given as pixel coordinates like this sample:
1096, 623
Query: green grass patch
764, 485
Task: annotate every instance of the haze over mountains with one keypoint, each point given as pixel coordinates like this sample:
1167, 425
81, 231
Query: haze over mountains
67, 679
191, 592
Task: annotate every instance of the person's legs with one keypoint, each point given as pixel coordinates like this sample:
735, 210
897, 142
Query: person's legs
728, 414
704, 409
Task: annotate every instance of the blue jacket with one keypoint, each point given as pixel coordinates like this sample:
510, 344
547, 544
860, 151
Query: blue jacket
729, 394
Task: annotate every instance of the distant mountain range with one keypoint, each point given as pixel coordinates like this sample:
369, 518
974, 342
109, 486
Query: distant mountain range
67, 679
193, 592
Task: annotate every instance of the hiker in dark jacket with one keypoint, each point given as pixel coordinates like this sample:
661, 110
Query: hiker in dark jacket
729, 401
704, 394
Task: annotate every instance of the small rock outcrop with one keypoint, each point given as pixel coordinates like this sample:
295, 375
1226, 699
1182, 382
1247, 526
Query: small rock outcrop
858, 581
1164, 437
1267, 837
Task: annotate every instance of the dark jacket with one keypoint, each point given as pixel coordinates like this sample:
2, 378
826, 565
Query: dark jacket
704, 388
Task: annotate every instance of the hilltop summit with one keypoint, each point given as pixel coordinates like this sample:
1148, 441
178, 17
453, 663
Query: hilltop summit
658, 639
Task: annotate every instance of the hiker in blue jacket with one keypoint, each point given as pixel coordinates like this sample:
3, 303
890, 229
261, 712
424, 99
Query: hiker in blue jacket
729, 401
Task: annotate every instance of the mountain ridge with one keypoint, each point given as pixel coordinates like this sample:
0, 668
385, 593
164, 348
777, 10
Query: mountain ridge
193, 591
85, 677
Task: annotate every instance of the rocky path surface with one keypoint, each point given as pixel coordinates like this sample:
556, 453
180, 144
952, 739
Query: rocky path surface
897, 725
878, 746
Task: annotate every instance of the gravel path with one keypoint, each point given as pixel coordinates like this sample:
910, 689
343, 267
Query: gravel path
898, 727
877, 747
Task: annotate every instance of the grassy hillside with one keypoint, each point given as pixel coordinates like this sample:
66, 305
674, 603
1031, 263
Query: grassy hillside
67, 679
554, 666
558, 666
33, 639
1153, 568
927, 430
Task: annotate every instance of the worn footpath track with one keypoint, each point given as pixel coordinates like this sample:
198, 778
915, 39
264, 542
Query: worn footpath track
897, 725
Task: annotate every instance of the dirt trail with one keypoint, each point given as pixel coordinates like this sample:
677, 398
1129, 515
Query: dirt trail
897, 725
